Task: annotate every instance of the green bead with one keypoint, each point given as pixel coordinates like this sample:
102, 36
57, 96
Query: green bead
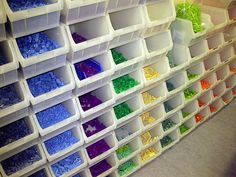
185, 114
192, 75
122, 110
118, 57
167, 124
124, 83
183, 128
188, 93
165, 141
124, 151
126, 167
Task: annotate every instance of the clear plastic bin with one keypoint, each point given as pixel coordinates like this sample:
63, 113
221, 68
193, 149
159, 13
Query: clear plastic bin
56, 96
127, 29
47, 61
195, 87
198, 50
98, 80
175, 102
222, 73
230, 33
8, 71
174, 135
198, 69
212, 62
217, 105
44, 168
232, 66
3, 20
227, 97
204, 113
227, 53
219, 90
176, 118
117, 5
190, 124
77, 11
158, 16
210, 79
215, 41
232, 12
205, 99
231, 81
33, 20
189, 110
98, 33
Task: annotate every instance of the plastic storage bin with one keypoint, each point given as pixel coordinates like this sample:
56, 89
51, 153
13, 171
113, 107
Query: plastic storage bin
232, 12
55, 96
176, 119
110, 140
230, 33
205, 99
158, 16
175, 102
210, 79
77, 11
232, 66
195, 87
230, 82
135, 55
33, 20
97, 80
98, 33
216, 106
190, 124
227, 97
3, 20
41, 160
198, 69
198, 50
212, 62
47, 61
227, 54
15, 143
189, 110
127, 29
174, 135
222, 73
8, 71
215, 41
219, 90
43, 169
75, 130
107, 119
204, 113
117, 5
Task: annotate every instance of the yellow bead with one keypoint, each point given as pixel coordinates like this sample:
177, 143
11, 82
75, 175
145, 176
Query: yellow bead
148, 154
150, 73
148, 98
147, 119
146, 138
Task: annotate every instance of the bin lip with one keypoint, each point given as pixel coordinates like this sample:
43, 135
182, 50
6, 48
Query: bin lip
69, 4
220, 4
3, 17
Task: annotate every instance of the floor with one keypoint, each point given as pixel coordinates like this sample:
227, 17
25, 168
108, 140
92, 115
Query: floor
209, 151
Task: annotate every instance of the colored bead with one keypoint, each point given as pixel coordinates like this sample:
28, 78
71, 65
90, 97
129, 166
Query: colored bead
89, 101
168, 107
205, 85
14, 131
78, 38
198, 118
124, 151
52, 115
8, 96
44, 83
17, 5
97, 148
201, 103
36, 44
171, 60
185, 114
93, 126
183, 128
123, 132
212, 109
188, 93
67, 164
170, 86
77, 175
100, 168
150, 73
148, 154
118, 57
87, 68
165, 141
191, 12
167, 124
192, 75
21, 160
40, 173
147, 119
61, 142
122, 110
147, 138
148, 98
124, 83
126, 167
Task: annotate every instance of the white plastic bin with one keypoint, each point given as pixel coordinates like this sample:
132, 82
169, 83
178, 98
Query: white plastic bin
136, 75
230, 33
204, 113
175, 102
232, 66
95, 81
47, 61
176, 118
33, 20
76, 133
215, 41
107, 119
56, 96
133, 125
71, 107
198, 50
8, 71
110, 141
198, 69
134, 53
227, 97
232, 12
78, 152
157, 113
222, 73
158, 16
195, 87
98, 33
107, 102
231, 81
77, 11
219, 90
159, 91
227, 54
28, 168
3, 20
174, 135
216, 106
156, 134
190, 124
22, 141
19, 107
234, 91
154, 48
161, 67
43, 168
212, 62
135, 104
189, 110
111, 160
211, 79
205, 99
117, 5
178, 81
83, 173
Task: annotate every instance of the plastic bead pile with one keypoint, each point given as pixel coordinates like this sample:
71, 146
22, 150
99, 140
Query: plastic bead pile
124, 83
124, 151
8, 96
189, 93
44, 83
167, 124
148, 98
205, 85
147, 138
93, 126
40, 173
212, 109
168, 107
201, 103
198, 118
170, 86
17, 5
89, 101
165, 141
78, 38
118, 57
2, 60
150, 73
185, 114
100, 168
122, 110
148, 154
183, 128
192, 75
147, 119
97, 148
126, 167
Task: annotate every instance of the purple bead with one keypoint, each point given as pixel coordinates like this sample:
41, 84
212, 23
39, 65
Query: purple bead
78, 38
97, 148
93, 126
89, 101
100, 168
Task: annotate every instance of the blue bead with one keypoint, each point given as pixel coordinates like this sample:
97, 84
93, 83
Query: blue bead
17, 5
61, 142
40, 173
21, 160
44, 83
36, 44
78, 175
52, 115
67, 164
2, 59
